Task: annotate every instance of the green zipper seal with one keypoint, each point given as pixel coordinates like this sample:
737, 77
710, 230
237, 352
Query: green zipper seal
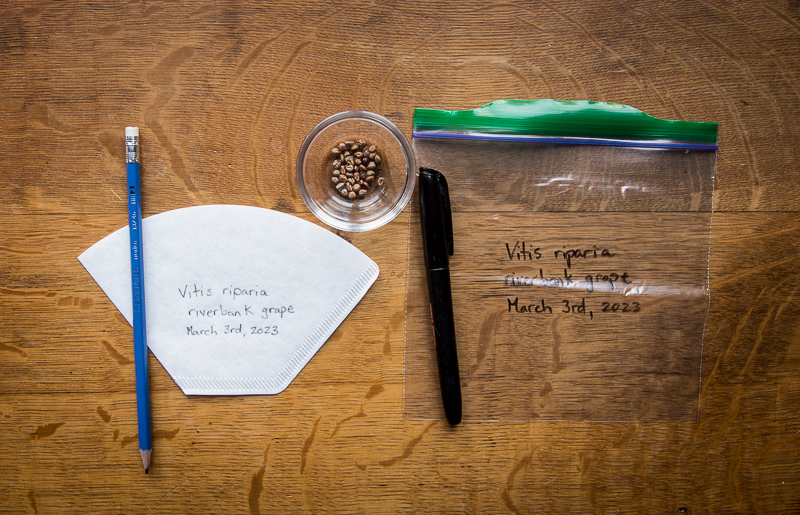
557, 121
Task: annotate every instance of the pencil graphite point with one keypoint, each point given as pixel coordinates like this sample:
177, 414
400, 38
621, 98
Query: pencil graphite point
146, 459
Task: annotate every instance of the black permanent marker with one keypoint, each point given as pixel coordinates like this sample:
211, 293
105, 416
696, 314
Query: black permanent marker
437, 242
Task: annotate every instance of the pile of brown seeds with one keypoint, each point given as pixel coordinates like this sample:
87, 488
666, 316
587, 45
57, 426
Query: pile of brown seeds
356, 168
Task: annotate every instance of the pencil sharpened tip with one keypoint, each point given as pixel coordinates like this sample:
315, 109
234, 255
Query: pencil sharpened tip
146, 459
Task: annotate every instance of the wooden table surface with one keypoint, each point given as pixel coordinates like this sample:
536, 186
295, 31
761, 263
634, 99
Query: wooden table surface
224, 93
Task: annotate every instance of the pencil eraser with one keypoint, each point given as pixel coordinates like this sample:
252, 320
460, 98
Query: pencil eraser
131, 131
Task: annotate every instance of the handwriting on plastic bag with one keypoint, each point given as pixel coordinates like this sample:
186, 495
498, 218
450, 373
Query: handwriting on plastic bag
559, 270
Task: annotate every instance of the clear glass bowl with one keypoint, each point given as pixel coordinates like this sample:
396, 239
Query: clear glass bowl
383, 202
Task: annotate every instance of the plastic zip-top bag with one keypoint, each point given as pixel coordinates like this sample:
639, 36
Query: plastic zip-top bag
581, 235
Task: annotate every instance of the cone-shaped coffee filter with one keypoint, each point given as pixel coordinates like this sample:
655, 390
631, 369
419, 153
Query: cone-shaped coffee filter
238, 299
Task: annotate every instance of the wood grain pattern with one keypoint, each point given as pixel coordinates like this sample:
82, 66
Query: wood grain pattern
224, 93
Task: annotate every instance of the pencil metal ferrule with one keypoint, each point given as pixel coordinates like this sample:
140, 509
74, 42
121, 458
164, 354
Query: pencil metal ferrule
131, 149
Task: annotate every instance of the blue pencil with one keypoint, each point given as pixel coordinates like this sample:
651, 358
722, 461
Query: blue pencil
137, 280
